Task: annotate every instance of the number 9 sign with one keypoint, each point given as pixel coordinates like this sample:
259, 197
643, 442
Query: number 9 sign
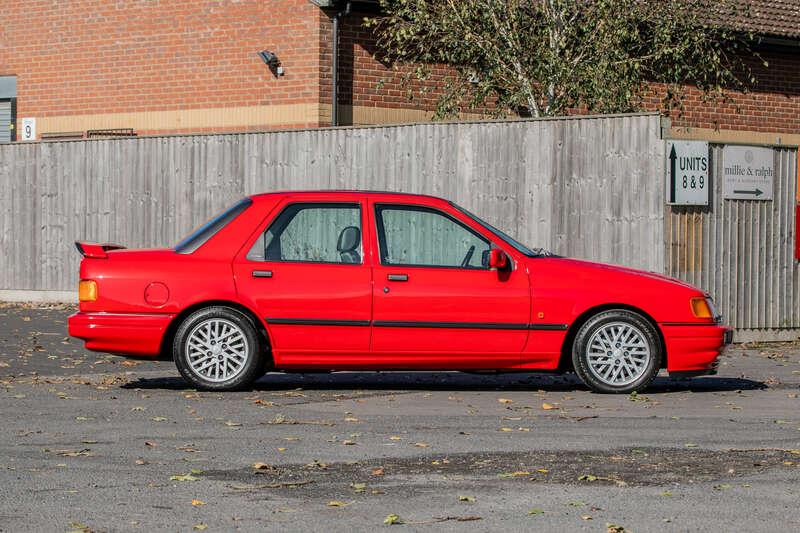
28, 129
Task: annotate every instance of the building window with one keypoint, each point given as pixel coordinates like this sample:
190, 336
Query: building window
8, 108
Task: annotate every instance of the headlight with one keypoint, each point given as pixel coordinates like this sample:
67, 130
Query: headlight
701, 307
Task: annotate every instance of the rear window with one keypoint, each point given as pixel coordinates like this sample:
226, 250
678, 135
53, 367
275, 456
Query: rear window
199, 236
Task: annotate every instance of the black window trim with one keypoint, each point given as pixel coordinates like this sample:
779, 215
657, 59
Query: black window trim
337, 205
380, 230
192, 242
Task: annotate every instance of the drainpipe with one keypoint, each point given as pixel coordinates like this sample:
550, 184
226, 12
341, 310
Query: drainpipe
335, 64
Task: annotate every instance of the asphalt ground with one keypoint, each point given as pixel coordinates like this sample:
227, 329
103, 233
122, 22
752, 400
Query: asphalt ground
93, 442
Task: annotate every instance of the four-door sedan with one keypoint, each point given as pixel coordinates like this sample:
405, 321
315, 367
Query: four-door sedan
348, 280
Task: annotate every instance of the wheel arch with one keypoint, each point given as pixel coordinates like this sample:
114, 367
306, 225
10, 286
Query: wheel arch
565, 361
172, 328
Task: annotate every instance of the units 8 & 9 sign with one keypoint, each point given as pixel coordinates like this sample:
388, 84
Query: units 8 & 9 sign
687, 173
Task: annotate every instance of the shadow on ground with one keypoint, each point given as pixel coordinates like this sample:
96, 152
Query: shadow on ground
456, 381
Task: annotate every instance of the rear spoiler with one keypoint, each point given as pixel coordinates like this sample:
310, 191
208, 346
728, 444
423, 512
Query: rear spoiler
96, 251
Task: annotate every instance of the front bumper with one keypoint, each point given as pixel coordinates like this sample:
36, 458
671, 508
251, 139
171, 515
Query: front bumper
120, 333
692, 350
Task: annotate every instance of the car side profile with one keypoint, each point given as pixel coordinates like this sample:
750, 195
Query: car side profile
352, 280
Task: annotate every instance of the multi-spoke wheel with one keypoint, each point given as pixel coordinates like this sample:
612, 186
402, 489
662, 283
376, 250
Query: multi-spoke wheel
217, 348
617, 351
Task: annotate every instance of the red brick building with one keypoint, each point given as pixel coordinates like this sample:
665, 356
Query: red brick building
83, 67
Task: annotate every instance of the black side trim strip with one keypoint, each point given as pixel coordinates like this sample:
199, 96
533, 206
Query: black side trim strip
415, 324
548, 327
689, 324
448, 325
316, 322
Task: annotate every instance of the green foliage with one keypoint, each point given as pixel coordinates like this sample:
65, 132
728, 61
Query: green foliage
544, 57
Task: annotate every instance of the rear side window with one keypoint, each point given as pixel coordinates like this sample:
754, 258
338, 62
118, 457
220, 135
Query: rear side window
202, 234
312, 233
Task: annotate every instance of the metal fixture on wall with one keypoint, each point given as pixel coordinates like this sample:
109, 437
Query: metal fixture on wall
272, 61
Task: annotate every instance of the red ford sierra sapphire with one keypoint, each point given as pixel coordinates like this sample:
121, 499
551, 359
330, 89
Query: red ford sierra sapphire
349, 280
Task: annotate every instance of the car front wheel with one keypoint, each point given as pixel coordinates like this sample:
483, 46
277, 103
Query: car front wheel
218, 348
617, 351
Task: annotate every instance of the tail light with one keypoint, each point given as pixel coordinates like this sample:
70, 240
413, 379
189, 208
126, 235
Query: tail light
87, 290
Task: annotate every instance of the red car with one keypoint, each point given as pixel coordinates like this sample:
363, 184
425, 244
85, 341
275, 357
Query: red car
349, 280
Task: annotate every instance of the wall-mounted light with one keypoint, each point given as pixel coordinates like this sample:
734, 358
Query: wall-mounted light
272, 62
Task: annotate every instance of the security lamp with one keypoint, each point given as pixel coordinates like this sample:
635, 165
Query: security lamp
272, 62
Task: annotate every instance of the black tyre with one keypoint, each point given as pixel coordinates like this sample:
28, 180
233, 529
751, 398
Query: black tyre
218, 348
617, 351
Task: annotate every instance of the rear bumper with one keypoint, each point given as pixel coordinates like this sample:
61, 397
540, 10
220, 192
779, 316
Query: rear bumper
693, 350
120, 333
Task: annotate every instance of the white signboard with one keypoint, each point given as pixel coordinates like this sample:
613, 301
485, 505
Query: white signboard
687, 173
28, 130
747, 172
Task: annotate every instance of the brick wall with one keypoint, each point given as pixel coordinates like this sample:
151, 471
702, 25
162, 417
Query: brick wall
773, 105
97, 56
191, 66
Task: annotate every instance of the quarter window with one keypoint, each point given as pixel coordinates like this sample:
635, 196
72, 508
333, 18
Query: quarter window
419, 236
317, 233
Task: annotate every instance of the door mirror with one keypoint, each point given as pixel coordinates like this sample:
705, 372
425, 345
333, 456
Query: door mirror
498, 259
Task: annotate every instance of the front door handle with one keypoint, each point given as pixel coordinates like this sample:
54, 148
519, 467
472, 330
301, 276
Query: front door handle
262, 273
397, 277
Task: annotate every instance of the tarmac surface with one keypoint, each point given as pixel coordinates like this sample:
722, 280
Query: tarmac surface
93, 442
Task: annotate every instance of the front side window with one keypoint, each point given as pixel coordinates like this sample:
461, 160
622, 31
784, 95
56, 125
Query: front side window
316, 233
420, 236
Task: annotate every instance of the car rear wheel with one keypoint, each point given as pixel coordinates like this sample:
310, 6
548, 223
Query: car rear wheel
218, 348
617, 351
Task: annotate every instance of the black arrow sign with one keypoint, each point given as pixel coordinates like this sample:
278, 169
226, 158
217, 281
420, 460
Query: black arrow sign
672, 177
757, 192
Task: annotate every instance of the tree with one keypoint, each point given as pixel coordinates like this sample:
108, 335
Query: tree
544, 57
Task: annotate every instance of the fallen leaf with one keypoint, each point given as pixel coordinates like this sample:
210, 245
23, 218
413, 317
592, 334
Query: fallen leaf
358, 487
587, 477
86, 452
466, 498
614, 528
392, 519
261, 466
198, 502
547, 407
505, 400
377, 471
421, 444
535, 511
518, 473
232, 424
159, 419
150, 443
337, 503
199, 527
691, 445
183, 477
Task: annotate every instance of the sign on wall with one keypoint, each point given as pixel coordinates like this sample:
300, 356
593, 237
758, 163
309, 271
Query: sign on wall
27, 131
748, 172
687, 173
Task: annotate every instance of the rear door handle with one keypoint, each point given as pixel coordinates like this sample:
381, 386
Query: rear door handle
262, 273
397, 277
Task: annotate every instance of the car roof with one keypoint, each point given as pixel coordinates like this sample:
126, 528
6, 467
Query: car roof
339, 193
